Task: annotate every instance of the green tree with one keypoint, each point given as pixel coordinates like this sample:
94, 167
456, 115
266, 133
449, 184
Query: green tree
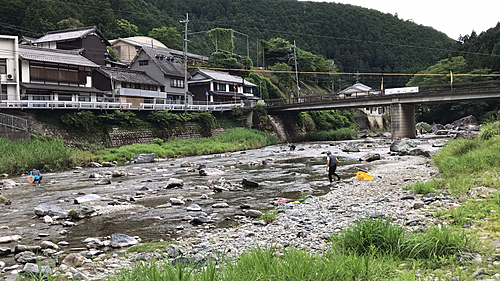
222, 38
100, 14
126, 29
69, 23
168, 36
42, 16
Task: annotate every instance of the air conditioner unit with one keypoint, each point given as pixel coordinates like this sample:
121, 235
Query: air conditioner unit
9, 76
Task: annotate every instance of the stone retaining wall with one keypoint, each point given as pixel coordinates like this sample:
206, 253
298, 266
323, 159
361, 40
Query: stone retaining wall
117, 137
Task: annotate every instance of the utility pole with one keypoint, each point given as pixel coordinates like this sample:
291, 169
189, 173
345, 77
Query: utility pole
333, 77
185, 22
257, 52
296, 73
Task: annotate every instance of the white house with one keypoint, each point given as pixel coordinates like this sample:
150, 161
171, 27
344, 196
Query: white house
9, 68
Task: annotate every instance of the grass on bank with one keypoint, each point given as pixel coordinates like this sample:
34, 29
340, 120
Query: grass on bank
466, 164
372, 249
332, 135
232, 140
43, 154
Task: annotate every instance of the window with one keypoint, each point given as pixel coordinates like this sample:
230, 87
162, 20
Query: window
84, 97
220, 87
176, 83
143, 62
47, 72
248, 90
160, 101
3, 66
3, 95
149, 101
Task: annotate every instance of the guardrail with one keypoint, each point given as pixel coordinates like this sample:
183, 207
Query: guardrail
472, 88
40, 104
46, 104
191, 107
13, 122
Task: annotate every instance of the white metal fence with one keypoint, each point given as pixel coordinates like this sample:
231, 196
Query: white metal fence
13, 122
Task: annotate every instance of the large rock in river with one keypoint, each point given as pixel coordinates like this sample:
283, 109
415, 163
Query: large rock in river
81, 212
249, 183
369, 157
50, 210
350, 147
143, 158
403, 145
86, 198
173, 182
119, 240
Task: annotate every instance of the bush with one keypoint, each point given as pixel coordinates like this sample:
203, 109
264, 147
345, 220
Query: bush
332, 135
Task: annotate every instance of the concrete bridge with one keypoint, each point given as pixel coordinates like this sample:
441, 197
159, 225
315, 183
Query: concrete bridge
402, 106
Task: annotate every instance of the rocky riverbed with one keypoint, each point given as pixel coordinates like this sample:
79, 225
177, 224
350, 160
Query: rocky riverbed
78, 222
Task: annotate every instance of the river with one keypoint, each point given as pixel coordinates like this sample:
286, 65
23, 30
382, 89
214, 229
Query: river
285, 174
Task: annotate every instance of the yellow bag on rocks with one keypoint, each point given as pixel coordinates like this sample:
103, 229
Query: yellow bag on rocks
364, 176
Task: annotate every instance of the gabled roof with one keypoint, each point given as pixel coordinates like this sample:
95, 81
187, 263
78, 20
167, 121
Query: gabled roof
70, 34
128, 75
70, 57
164, 60
220, 76
139, 41
358, 87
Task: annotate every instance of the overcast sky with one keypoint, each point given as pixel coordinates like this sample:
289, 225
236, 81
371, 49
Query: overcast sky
453, 18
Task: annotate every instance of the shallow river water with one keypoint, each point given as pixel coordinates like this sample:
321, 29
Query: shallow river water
286, 174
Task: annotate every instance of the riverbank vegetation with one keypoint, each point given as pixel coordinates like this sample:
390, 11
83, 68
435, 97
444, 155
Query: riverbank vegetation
47, 154
375, 249
233, 140
44, 154
371, 249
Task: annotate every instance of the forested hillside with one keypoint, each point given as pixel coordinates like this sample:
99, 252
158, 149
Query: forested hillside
357, 39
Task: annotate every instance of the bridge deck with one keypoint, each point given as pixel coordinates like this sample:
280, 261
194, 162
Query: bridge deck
426, 94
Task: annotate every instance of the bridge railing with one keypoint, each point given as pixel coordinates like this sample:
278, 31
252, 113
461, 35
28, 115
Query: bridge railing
329, 97
476, 87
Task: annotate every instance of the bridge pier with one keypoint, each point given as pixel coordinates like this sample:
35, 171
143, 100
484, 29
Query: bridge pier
403, 121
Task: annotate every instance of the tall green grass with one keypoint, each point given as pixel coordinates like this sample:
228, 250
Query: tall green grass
232, 140
380, 237
265, 265
368, 250
332, 135
45, 155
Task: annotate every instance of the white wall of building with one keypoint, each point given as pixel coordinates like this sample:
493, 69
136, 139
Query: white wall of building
10, 51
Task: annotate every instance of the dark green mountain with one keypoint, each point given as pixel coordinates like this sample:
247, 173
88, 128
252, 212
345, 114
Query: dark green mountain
358, 39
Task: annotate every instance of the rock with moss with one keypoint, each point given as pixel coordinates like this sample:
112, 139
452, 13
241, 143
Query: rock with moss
81, 212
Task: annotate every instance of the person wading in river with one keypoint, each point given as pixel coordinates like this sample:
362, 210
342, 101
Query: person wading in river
331, 165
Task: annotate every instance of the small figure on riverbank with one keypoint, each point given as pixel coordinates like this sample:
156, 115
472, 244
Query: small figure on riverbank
331, 165
35, 177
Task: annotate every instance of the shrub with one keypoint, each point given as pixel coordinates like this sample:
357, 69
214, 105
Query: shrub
269, 216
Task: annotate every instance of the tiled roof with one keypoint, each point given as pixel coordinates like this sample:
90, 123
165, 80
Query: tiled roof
128, 75
223, 77
165, 61
70, 34
72, 57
